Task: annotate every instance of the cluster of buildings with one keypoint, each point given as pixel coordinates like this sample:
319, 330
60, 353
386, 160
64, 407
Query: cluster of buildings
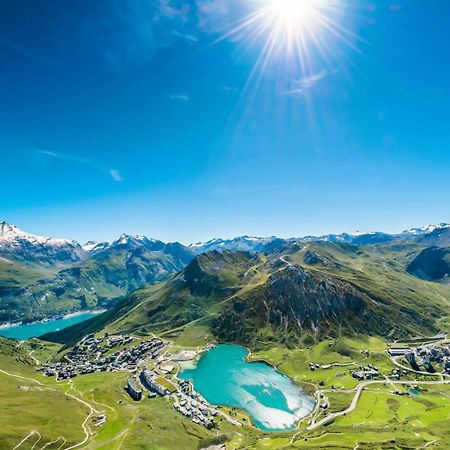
438, 355
398, 373
150, 381
427, 357
365, 373
188, 402
324, 404
93, 354
313, 366
146, 380
193, 406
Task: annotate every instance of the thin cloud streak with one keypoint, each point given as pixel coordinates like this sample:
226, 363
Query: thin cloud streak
25, 52
113, 173
180, 97
308, 82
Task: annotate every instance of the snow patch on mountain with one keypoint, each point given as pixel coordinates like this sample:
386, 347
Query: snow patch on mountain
242, 243
11, 234
427, 229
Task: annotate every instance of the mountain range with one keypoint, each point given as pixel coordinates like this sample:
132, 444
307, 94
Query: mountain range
44, 277
299, 292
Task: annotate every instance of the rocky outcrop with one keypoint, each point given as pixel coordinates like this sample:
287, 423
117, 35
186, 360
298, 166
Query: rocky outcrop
296, 298
432, 264
17, 245
312, 258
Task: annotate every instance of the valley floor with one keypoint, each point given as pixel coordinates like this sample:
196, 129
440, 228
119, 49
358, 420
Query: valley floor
94, 411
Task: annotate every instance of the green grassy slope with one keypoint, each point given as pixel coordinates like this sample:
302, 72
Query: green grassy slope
34, 405
261, 299
100, 281
382, 420
14, 275
31, 407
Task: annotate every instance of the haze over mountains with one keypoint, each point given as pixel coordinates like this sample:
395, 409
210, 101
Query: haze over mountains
42, 277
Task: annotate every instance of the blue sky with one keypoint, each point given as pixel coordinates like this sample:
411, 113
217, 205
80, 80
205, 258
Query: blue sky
143, 117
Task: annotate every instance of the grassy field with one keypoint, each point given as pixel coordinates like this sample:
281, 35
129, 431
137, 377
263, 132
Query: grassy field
34, 406
46, 412
194, 335
343, 351
381, 420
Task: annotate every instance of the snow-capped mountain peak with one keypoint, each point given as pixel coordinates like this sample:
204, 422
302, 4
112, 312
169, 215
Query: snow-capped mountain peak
427, 229
10, 233
89, 246
17, 244
95, 247
243, 243
125, 239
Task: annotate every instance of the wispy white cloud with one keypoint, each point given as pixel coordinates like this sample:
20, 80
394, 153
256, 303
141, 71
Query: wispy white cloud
231, 89
116, 175
308, 82
180, 97
130, 33
213, 15
71, 159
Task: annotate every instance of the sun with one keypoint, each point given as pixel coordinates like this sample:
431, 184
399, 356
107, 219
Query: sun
293, 11
291, 36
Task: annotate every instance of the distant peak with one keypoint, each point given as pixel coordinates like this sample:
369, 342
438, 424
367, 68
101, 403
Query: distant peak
10, 233
94, 246
427, 229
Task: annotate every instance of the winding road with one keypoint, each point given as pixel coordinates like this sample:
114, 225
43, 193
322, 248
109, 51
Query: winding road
358, 392
87, 431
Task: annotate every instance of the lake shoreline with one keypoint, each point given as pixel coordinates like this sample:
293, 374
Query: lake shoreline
96, 311
258, 423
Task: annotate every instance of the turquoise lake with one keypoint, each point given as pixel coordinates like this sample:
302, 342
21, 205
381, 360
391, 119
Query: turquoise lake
223, 377
31, 330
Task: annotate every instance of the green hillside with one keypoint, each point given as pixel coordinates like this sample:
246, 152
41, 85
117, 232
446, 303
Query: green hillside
297, 292
99, 281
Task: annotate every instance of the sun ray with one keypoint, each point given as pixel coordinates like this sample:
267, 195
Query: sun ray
294, 40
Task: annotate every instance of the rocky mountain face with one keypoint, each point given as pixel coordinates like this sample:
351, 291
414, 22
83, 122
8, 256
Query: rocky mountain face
310, 301
439, 236
17, 245
293, 301
43, 276
301, 290
432, 264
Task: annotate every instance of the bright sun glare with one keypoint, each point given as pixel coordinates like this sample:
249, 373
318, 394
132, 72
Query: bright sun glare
293, 11
292, 25
292, 32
